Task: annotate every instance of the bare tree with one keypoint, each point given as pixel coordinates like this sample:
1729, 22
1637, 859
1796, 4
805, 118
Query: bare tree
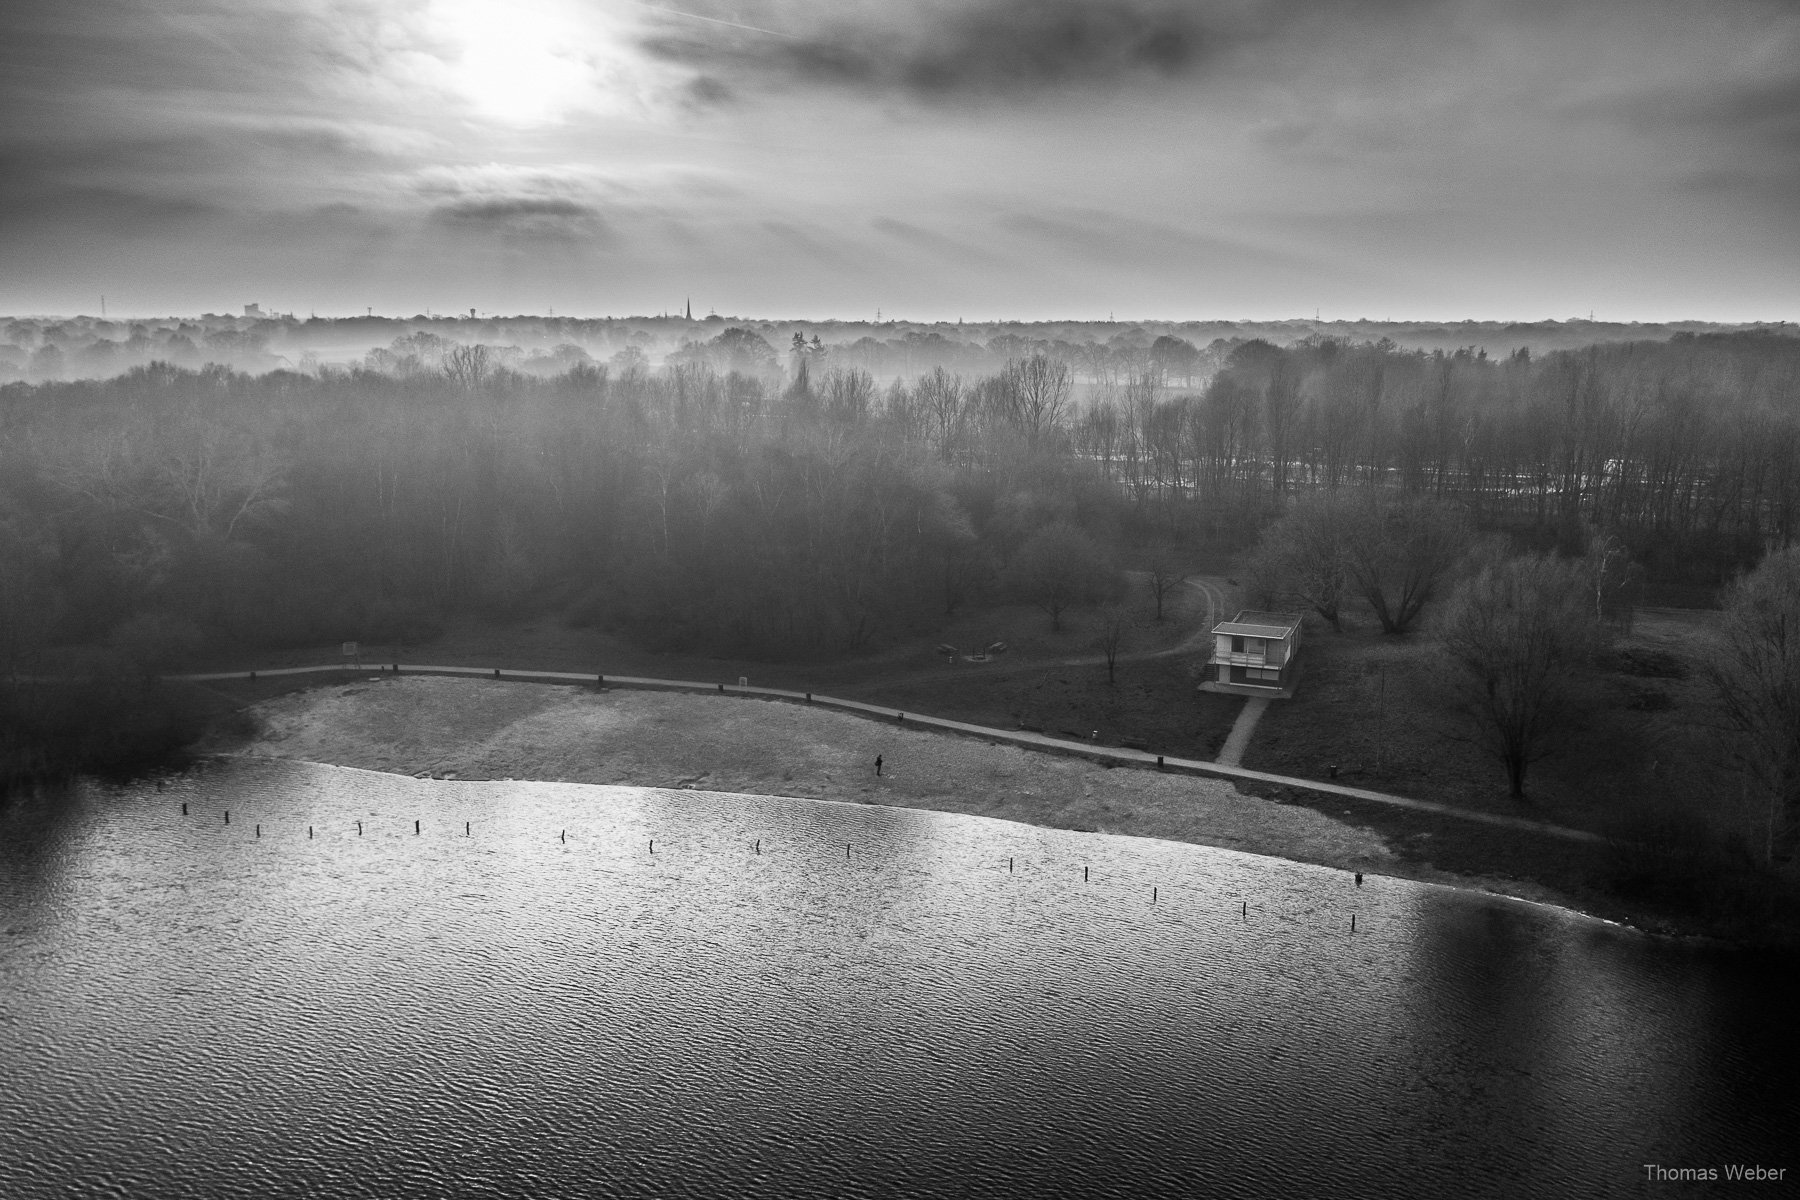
1058, 568
1164, 575
1111, 636
1305, 556
1401, 552
1040, 387
1756, 674
214, 480
1281, 416
1612, 580
847, 394
939, 396
468, 366
191, 472
1519, 633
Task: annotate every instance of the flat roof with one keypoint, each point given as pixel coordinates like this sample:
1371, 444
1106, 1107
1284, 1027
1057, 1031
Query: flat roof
1252, 623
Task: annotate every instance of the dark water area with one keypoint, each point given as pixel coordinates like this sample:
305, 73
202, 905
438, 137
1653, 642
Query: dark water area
188, 1008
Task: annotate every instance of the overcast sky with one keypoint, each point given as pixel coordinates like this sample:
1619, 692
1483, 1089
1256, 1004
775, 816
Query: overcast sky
924, 158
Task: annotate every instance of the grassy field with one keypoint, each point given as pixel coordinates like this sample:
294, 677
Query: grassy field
1642, 765
1368, 704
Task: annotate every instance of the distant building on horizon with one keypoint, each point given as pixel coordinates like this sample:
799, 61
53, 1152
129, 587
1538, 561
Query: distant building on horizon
253, 310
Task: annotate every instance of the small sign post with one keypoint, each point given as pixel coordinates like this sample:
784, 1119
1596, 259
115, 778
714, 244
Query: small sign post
352, 657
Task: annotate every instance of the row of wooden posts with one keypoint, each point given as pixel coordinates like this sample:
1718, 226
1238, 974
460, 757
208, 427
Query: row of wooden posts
563, 837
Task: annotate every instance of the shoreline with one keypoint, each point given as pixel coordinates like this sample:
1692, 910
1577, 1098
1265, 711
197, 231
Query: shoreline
478, 728
1450, 881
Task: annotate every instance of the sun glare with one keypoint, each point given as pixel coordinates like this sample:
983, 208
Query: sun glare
529, 62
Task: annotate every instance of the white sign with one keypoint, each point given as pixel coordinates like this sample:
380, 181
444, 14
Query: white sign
349, 649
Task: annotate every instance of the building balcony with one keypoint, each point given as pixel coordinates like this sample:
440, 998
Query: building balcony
1245, 660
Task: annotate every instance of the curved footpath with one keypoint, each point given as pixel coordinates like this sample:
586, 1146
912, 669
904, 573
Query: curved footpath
1017, 737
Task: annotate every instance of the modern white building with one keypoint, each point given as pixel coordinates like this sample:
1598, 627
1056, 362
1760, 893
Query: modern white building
1254, 654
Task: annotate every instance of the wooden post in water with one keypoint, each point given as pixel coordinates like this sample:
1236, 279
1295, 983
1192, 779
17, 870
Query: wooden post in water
1159, 762
1246, 913
309, 831
1352, 922
846, 851
563, 837
184, 808
496, 672
259, 831
359, 829
415, 826
1084, 872
653, 845
759, 845
228, 816
1009, 866
465, 829
1153, 895
253, 677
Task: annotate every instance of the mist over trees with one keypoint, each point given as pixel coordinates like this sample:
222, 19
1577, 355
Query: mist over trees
1184, 353
790, 503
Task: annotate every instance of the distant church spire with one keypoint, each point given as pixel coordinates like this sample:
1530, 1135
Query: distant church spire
690, 308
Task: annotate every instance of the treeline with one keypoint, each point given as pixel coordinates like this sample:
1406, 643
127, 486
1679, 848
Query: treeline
1688, 450
689, 507
782, 504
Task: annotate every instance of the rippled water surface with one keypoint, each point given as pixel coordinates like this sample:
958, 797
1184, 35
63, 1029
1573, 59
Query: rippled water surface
187, 1007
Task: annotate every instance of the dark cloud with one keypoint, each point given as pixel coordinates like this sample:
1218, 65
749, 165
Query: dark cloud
996, 47
986, 46
1764, 109
525, 218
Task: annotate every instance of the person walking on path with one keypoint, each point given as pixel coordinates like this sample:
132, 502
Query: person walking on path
878, 764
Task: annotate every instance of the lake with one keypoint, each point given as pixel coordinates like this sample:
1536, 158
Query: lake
879, 1002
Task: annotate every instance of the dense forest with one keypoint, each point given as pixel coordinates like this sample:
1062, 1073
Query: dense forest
779, 502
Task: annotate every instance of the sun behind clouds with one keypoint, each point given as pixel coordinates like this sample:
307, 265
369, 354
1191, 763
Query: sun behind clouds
537, 62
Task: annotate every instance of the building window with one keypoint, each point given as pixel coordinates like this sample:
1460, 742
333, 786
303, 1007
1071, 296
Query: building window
1237, 645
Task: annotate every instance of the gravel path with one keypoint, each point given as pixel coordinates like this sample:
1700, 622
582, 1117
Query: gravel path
1231, 754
